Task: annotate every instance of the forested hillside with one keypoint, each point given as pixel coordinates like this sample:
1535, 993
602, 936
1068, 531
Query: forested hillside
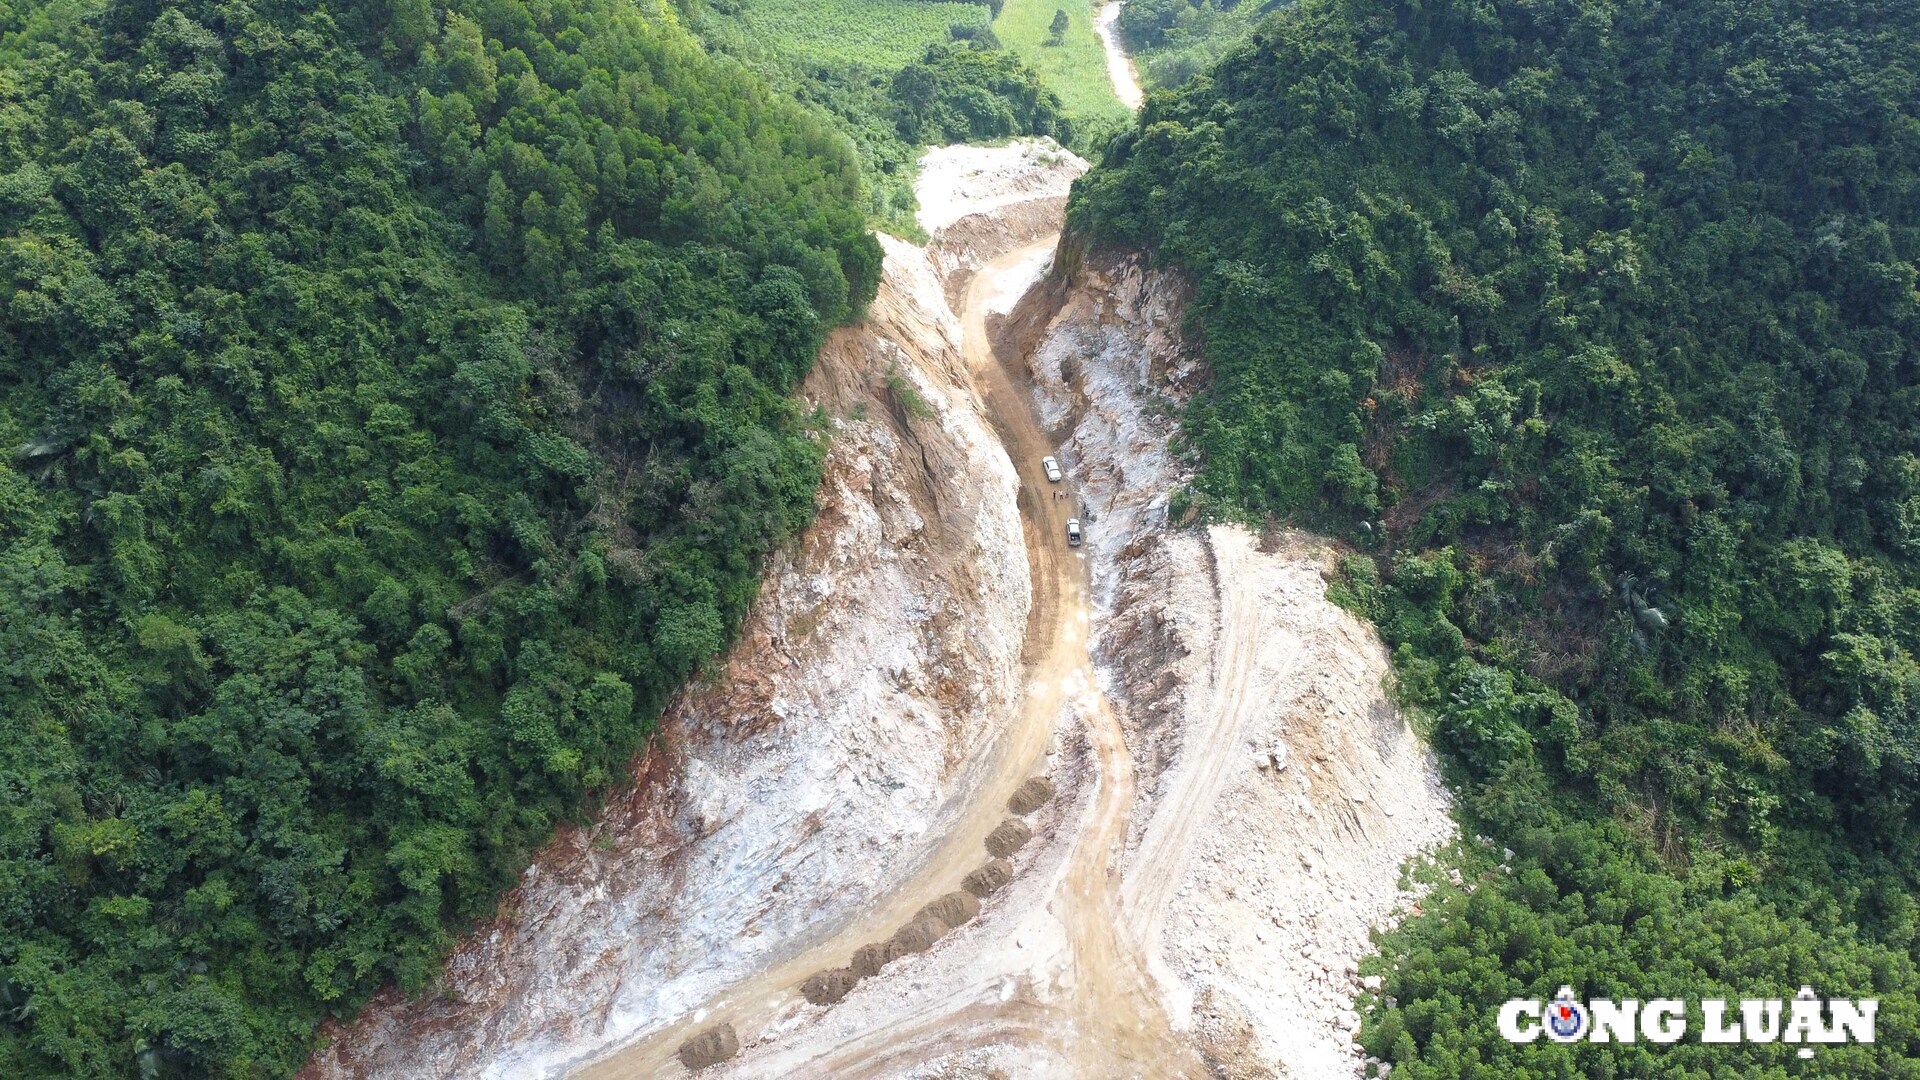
895, 76
1171, 41
394, 404
1593, 326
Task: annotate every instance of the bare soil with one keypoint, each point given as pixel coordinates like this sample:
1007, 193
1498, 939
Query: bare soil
816, 873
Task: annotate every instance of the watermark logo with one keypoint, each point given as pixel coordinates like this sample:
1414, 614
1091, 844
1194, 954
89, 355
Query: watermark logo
1566, 1018
1806, 1020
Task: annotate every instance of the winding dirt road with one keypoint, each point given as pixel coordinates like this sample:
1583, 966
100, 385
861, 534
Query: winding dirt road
1121, 71
1114, 1027
1186, 914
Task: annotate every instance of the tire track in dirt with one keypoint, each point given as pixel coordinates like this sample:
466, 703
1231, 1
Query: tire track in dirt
1108, 1022
1200, 779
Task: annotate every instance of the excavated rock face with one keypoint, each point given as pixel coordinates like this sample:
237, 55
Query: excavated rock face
989, 878
710, 1047
1008, 837
1030, 796
1280, 791
824, 758
828, 987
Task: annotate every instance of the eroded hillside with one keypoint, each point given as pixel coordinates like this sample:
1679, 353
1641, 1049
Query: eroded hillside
1229, 795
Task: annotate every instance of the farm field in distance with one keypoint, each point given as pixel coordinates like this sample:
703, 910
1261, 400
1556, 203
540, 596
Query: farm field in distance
1076, 69
882, 35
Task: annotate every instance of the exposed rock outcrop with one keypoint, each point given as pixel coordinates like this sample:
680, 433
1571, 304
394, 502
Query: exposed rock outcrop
818, 766
1281, 791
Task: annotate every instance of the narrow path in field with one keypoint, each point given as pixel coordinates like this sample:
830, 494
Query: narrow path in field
1120, 69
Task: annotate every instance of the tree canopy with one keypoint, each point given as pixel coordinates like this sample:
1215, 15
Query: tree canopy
1592, 325
394, 403
894, 76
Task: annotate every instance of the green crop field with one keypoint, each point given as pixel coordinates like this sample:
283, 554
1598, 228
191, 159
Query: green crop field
1076, 69
878, 34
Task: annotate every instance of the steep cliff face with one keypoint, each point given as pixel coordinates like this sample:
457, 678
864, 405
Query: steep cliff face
810, 774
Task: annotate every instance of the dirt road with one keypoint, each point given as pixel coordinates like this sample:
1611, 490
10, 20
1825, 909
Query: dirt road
1116, 1010
1235, 795
1097, 1013
1120, 69
1118, 1021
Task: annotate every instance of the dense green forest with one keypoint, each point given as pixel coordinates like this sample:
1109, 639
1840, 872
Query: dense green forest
395, 407
894, 76
1171, 41
1592, 325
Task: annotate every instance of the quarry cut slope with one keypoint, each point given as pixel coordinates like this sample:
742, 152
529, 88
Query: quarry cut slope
1280, 790
859, 717
1228, 797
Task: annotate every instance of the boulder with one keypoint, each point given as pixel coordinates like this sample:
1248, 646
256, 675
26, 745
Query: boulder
1008, 837
710, 1047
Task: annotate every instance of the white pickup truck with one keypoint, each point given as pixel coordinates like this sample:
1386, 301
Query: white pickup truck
1073, 532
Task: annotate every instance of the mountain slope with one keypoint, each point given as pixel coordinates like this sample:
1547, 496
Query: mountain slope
395, 404
1594, 324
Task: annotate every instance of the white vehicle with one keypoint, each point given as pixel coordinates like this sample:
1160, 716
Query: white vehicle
1052, 468
1073, 532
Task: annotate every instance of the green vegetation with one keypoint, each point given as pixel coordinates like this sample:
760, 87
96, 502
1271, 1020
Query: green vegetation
894, 76
877, 35
1075, 67
395, 406
1594, 325
963, 94
1171, 41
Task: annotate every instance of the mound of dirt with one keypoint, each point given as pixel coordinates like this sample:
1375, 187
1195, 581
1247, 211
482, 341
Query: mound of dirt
1008, 837
956, 909
990, 878
710, 1047
1030, 796
869, 959
919, 935
829, 986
